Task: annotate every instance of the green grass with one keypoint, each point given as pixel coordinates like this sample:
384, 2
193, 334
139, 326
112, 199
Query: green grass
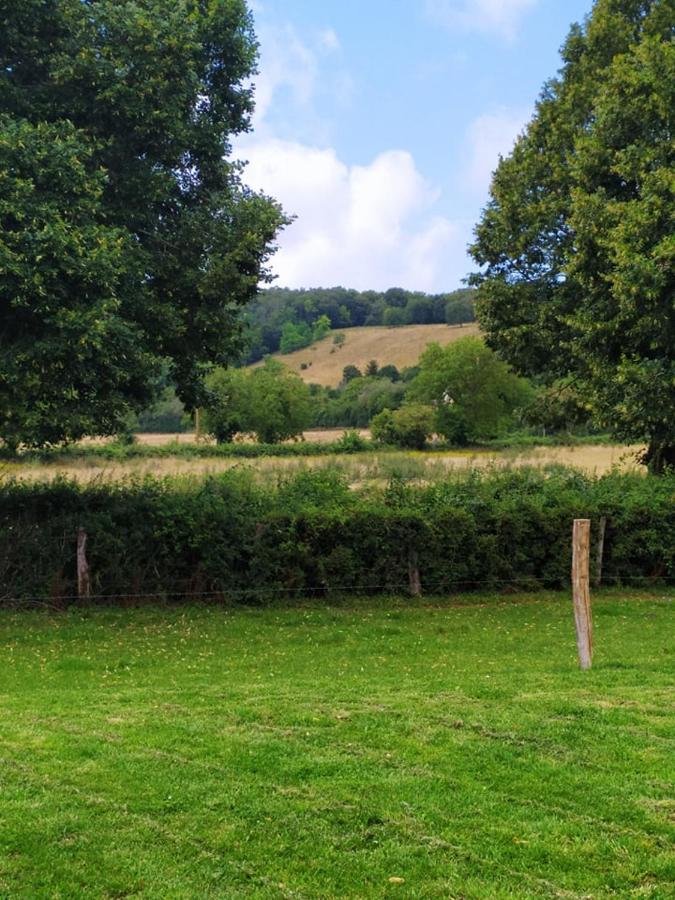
315, 753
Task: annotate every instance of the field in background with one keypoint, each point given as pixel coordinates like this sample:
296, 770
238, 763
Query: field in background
371, 751
314, 436
358, 468
401, 347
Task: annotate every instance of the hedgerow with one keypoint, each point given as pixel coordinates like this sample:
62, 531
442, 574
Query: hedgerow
228, 538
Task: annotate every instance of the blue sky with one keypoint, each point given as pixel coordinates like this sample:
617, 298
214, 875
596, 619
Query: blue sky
379, 122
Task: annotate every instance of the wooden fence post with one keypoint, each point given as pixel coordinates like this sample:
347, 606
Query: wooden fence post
414, 574
581, 595
83, 585
599, 552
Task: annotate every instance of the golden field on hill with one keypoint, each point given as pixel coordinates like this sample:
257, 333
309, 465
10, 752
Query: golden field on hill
400, 347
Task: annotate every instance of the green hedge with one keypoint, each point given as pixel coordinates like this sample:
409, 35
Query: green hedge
226, 537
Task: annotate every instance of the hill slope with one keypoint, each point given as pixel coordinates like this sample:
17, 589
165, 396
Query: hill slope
400, 347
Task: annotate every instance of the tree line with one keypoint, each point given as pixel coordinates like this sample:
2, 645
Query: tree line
462, 392
282, 319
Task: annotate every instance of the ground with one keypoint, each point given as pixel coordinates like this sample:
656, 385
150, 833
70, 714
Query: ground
401, 347
449, 748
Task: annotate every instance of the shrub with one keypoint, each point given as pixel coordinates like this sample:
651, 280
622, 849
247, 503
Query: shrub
349, 373
390, 372
409, 427
350, 442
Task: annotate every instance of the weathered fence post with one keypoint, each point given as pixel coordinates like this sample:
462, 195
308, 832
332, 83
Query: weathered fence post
581, 594
83, 586
599, 552
414, 573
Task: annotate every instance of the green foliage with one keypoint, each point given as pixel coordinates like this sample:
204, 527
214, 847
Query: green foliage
394, 317
294, 337
166, 415
409, 374
576, 243
357, 401
270, 401
126, 236
69, 362
229, 408
409, 427
350, 442
321, 328
558, 408
371, 369
339, 339
459, 308
390, 372
312, 535
473, 392
350, 372
268, 314
280, 406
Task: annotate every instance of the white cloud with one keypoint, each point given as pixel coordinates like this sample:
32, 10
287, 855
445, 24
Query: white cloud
329, 39
369, 226
286, 63
363, 226
488, 137
500, 16
299, 81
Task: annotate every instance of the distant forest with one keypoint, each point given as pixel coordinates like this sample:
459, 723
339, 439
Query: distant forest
287, 320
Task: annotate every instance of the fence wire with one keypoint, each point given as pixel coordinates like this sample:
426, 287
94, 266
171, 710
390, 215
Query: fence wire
429, 590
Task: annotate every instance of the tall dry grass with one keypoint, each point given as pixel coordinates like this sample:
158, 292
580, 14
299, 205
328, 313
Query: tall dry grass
360, 468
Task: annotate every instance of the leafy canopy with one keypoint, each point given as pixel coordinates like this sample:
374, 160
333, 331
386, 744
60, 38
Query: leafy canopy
410, 426
270, 401
127, 238
472, 391
577, 243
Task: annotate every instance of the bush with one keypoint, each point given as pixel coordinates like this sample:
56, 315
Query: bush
409, 427
350, 442
226, 537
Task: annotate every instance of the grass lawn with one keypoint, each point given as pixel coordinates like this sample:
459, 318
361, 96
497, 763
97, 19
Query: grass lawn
380, 750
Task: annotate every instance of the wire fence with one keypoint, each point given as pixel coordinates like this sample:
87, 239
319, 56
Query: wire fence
430, 591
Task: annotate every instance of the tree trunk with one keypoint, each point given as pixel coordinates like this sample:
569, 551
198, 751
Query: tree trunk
659, 458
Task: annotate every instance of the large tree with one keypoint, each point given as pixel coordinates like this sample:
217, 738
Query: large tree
128, 240
577, 242
473, 392
270, 401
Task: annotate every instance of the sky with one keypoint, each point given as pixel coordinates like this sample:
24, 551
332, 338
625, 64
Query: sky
378, 124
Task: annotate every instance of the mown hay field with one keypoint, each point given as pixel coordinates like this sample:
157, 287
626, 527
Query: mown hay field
366, 750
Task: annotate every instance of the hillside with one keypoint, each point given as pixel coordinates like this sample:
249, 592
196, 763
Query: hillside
400, 347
